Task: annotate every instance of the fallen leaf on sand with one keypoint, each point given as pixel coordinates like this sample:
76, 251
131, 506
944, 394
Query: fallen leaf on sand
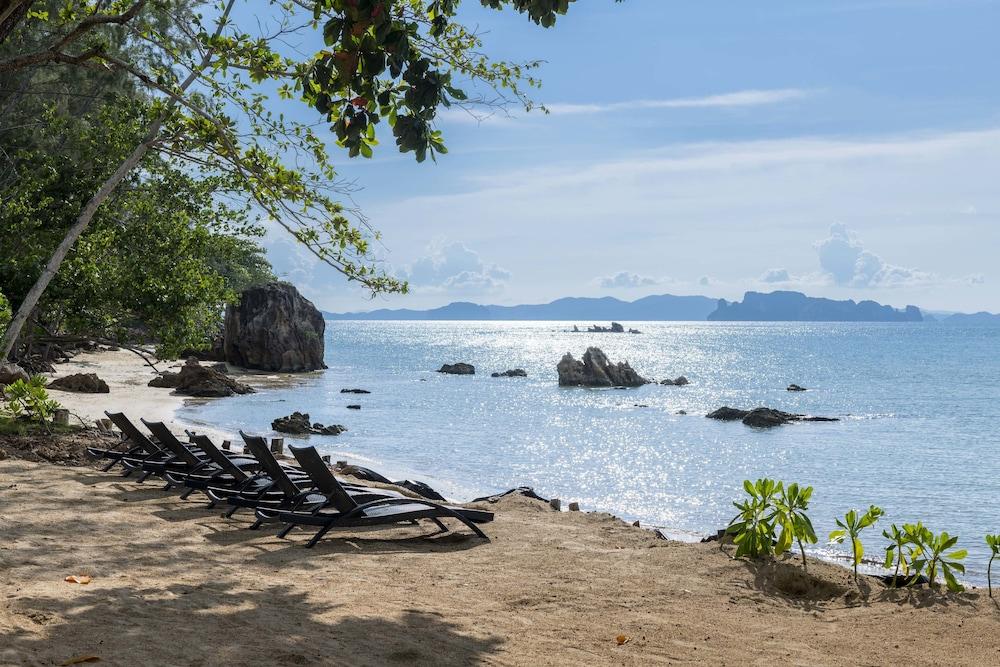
623, 639
78, 579
76, 660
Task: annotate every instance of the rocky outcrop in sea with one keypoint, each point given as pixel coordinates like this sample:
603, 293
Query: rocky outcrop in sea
595, 370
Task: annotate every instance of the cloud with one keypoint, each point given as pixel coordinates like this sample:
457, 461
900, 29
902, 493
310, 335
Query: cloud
844, 259
776, 276
704, 281
626, 280
742, 98
454, 268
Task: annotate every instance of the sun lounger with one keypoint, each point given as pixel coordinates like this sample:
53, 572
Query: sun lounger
341, 510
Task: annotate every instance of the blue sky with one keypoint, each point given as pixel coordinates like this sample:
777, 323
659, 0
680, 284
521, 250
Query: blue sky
847, 149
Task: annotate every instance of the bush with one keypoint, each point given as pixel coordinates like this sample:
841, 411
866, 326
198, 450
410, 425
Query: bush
29, 400
5, 313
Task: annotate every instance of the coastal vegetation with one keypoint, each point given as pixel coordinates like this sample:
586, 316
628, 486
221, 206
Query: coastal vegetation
993, 542
851, 528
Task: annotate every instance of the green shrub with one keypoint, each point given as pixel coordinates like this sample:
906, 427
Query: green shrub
790, 514
753, 528
993, 542
900, 551
5, 313
29, 400
930, 555
851, 527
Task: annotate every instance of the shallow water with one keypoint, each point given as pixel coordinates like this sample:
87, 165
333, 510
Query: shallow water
919, 405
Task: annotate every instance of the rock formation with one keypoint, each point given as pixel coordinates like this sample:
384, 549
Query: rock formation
680, 381
10, 373
458, 369
795, 387
764, 417
81, 383
594, 370
512, 373
165, 380
298, 423
197, 380
354, 391
274, 328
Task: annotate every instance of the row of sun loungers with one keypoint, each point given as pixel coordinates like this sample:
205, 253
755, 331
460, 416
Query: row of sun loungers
307, 495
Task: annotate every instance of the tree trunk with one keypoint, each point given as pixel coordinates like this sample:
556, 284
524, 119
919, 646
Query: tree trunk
81, 224
12, 12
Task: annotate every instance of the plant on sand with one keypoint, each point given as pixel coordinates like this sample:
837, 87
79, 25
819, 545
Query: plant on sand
851, 527
900, 552
930, 555
993, 542
29, 399
753, 528
790, 514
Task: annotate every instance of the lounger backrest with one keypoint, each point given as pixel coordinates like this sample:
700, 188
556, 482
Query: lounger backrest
205, 444
170, 442
130, 430
258, 447
314, 465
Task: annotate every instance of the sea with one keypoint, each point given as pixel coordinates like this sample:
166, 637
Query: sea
918, 404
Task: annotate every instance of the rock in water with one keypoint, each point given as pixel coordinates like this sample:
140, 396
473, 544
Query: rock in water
458, 369
679, 382
795, 387
11, 373
354, 391
197, 380
512, 373
274, 328
727, 414
82, 383
298, 423
763, 417
596, 371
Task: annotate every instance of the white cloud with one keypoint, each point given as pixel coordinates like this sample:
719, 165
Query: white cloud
454, 268
742, 98
776, 276
626, 280
843, 257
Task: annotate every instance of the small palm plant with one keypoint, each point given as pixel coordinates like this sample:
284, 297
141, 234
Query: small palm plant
931, 556
851, 527
790, 515
753, 528
899, 552
993, 542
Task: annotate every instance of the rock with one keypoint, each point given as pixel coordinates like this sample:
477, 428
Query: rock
458, 369
764, 417
298, 423
81, 383
512, 373
354, 407
420, 489
197, 380
679, 382
795, 387
165, 380
596, 371
11, 373
354, 391
635, 524
525, 491
555, 504
682, 412
640, 405
274, 328
728, 414
574, 506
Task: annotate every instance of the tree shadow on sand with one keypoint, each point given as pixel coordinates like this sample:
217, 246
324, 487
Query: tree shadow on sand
210, 625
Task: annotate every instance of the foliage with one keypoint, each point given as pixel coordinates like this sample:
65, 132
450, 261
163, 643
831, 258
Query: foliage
753, 527
993, 542
4, 313
900, 551
29, 400
930, 555
790, 514
851, 527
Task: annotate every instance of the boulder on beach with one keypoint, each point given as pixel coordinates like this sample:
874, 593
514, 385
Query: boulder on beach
512, 373
165, 380
763, 417
274, 328
81, 383
795, 387
299, 423
458, 369
594, 370
11, 373
204, 381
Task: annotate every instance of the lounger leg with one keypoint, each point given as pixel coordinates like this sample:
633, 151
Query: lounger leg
210, 505
109, 466
168, 486
143, 477
318, 536
184, 496
283, 533
231, 512
444, 528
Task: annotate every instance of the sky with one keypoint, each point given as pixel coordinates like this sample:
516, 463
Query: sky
847, 149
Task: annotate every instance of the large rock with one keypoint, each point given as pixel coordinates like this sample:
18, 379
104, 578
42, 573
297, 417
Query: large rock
594, 370
458, 369
165, 380
512, 373
274, 328
81, 383
728, 414
197, 380
764, 417
298, 423
11, 373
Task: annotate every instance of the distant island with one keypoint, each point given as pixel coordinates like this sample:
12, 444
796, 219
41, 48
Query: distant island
755, 307
797, 307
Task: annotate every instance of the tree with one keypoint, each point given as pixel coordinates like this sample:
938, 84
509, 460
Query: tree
384, 59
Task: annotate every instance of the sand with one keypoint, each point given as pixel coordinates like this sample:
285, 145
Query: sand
174, 583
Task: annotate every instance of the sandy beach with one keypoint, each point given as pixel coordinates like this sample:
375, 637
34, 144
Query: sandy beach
175, 583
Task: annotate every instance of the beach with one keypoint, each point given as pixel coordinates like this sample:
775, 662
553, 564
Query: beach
172, 582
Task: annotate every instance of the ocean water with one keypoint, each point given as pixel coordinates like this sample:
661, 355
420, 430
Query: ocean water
919, 407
